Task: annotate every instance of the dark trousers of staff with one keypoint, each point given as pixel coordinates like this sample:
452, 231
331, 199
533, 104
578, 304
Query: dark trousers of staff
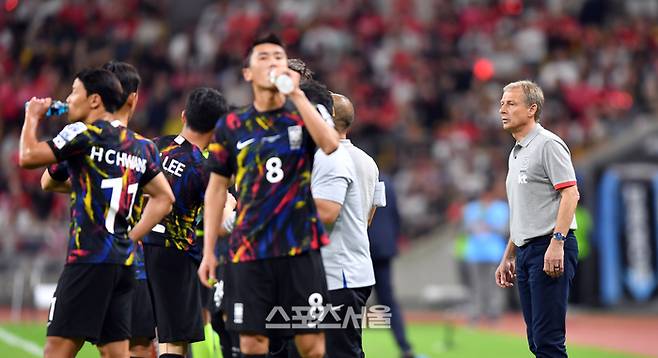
544, 299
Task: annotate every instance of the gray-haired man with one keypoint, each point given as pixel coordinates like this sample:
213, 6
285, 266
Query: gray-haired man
542, 193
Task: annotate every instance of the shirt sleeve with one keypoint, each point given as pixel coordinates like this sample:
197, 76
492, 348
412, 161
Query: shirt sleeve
558, 166
59, 171
71, 141
219, 151
330, 178
152, 165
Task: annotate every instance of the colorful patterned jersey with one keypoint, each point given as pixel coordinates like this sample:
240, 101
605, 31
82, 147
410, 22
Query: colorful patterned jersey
60, 172
183, 164
108, 165
271, 155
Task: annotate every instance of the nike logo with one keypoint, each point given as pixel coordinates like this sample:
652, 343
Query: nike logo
337, 308
241, 145
272, 138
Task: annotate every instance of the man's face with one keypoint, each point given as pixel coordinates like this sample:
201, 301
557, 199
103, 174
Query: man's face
514, 112
78, 101
264, 58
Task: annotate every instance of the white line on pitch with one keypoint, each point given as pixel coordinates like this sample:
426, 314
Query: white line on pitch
20, 343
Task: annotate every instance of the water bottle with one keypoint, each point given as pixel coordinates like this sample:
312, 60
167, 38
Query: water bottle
57, 108
283, 82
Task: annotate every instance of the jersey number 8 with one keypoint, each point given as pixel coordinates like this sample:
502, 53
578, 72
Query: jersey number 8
274, 170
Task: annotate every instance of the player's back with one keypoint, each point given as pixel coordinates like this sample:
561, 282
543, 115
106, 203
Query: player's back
108, 164
183, 164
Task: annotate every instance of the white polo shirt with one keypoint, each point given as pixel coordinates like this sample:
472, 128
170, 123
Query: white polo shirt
539, 166
342, 177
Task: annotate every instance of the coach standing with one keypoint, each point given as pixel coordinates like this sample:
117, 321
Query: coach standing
542, 250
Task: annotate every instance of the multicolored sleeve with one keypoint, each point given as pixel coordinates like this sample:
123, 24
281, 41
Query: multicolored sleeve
152, 165
71, 141
59, 171
219, 152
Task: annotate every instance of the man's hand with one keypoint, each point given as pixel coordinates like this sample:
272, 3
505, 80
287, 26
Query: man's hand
506, 273
554, 259
37, 108
207, 269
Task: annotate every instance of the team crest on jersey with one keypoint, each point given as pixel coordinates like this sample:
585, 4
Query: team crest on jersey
68, 133
295, 137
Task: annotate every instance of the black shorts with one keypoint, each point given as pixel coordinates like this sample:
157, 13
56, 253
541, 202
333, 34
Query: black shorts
143, 321
93, 302
176, 294
283, 289
207, 301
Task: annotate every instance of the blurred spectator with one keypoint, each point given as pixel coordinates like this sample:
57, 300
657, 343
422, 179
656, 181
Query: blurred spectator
486, 222
426, 111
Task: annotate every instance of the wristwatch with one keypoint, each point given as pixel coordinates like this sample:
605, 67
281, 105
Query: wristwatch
558, 236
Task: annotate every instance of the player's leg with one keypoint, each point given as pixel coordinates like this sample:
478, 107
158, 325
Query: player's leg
254, 345
142, 322
175, 292
78, 308
229, 341
209, 347
118, 349
303, 283
141, 347
62, 347
251, 288
115, 333
310, 345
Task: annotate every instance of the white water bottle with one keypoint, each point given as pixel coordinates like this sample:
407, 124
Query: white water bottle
283, 82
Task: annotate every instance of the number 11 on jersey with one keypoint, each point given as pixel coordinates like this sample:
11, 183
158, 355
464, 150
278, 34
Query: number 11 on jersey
116, 184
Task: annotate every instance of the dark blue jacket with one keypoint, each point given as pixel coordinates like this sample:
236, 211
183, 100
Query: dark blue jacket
385, 229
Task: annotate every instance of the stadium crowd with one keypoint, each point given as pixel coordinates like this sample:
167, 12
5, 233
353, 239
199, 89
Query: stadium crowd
425, 78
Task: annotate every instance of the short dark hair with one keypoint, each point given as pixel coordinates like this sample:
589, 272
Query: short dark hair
203, 108
103, 83
269, 38
127, 75
317, 93
300, 67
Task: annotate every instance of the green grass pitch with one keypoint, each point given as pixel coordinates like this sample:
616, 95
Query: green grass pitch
429, 340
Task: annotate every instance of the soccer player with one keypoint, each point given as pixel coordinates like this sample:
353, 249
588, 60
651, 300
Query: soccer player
110, 166
172, 253
274, 247
56, 178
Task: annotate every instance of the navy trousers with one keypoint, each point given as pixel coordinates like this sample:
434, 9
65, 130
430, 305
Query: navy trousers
544, 299
384, 292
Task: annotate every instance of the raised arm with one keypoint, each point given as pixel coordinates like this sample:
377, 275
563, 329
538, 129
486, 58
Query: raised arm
32, 153
325, 137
